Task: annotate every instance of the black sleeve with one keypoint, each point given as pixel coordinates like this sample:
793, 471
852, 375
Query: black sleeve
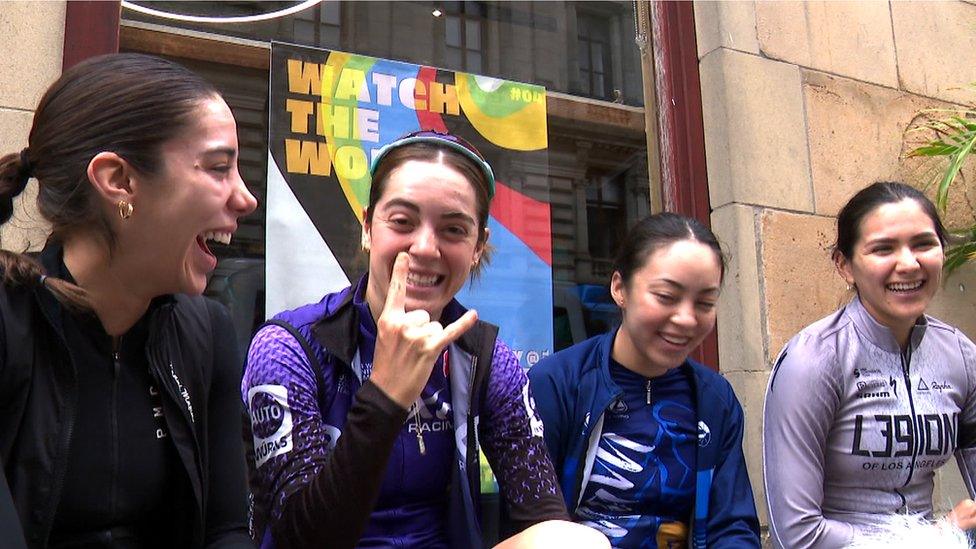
334, 508
226, 512
11, 536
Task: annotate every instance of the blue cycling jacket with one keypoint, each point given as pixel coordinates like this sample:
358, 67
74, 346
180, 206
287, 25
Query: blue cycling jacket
573, 390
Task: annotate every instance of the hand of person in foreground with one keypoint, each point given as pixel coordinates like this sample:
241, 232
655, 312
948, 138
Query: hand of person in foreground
963, 514
408, 343
556, 533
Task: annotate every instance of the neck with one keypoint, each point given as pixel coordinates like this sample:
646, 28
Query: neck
108, 281
903, 335
627, 355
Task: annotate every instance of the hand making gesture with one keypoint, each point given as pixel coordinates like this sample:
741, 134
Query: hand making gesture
408, 342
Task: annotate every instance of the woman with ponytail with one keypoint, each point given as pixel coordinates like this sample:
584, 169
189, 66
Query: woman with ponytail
119, 420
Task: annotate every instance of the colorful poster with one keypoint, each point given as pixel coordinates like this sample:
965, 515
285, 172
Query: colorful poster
331, 111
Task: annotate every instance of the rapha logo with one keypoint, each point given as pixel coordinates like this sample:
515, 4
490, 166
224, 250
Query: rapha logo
940, 385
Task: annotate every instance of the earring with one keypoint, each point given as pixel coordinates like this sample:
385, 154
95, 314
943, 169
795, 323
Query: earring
125, 209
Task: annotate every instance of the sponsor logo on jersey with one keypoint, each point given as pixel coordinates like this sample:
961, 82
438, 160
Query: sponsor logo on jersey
704, 434
535, 424
940, 386
858, 372
877, 388
434, 414
271, 423
619, 407
905, 436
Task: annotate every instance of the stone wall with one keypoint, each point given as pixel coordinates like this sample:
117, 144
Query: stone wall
803, 104
31, 39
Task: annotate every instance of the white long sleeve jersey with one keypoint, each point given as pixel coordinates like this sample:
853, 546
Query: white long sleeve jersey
855, 427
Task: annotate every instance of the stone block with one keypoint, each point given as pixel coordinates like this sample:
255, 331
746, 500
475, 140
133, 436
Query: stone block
799, 281
755, 143
851, 39
729, 25
750, 389
26, 230
955, 303
858, 135
16, 126
32, 42
949, 488
936, 45
740, 336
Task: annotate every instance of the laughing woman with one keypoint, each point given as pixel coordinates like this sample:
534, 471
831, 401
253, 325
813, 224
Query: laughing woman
647, 442
865, 405
369, 406
119, 424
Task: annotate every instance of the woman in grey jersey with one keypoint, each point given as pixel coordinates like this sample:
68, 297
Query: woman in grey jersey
864, 405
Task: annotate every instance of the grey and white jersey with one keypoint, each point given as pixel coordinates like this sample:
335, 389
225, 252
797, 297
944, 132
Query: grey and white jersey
854, 427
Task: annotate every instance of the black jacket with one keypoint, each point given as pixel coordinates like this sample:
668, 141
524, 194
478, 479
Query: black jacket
38, 393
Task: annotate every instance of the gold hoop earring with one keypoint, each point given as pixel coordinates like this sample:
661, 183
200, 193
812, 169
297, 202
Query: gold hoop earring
125, 209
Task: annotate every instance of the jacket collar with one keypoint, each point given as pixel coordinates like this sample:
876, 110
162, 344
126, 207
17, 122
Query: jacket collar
338, 329
52, 260
606, 346
878, 334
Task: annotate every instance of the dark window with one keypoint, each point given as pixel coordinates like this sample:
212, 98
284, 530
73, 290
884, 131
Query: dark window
593, 54
463, 36
319, 25
606, 222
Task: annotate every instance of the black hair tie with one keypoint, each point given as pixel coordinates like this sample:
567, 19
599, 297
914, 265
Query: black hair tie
26, 169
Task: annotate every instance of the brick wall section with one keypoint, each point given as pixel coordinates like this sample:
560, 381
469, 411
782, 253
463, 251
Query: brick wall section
31, 39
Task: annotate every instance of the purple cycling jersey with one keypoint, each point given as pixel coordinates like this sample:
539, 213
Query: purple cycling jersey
300, 410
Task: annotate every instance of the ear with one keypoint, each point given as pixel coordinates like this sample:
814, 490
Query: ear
479, 249
364, 236
618, 290
110, 175
844, 268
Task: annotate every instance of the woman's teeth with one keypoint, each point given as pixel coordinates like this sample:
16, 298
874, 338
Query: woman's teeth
675, 340
414, 279
217, 236
905, 286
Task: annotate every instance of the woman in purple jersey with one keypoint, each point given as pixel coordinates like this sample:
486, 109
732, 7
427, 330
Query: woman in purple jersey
647, 442
863, 406
369, 407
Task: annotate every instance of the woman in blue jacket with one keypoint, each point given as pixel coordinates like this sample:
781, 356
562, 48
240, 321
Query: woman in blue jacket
647, 443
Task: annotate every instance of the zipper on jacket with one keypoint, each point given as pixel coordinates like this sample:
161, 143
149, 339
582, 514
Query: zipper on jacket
116, 366
648, 391
906, 361
420, 435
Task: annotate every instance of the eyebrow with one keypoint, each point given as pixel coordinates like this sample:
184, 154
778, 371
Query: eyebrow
680, 286
920, 236
229, 151
404, 203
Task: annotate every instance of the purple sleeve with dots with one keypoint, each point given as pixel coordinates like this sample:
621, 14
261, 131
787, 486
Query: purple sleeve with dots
513, 444
317, 486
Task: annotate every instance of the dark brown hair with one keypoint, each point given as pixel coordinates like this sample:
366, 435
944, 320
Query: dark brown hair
657, 231
866, 200
129, 104
433, 152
